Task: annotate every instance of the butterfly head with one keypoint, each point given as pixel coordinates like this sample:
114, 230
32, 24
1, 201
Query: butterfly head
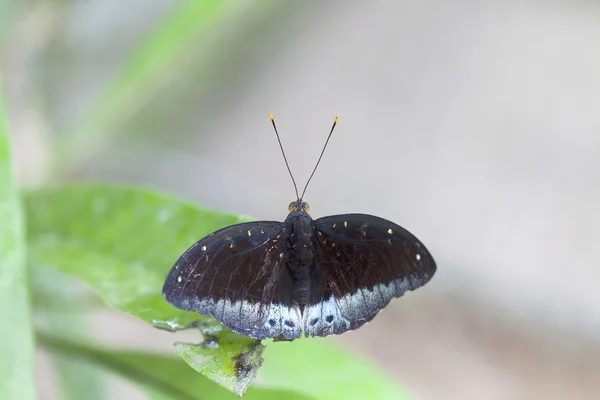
298, 205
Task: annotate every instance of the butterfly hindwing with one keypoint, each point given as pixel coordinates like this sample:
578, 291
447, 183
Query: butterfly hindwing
366, 261
233, 275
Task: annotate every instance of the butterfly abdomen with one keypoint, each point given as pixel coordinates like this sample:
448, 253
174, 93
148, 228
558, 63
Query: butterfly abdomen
300, 284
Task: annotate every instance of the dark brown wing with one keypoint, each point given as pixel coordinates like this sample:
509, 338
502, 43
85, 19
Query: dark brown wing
366, 261
232, 274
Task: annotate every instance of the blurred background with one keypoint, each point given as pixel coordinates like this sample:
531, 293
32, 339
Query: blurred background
474, 124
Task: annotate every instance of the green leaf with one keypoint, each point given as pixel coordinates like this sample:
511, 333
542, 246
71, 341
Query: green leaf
316, 367
55, 292
187, 23
59, 301
17, 379
224, 358
320, 368
9, 11
164, 377
122, 242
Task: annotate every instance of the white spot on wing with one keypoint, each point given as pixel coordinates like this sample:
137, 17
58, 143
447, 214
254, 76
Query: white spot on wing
390, 231
203, 248
418, 256
179, 278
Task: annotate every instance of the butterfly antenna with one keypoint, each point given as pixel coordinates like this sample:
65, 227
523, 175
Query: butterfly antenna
321, 156
283, 152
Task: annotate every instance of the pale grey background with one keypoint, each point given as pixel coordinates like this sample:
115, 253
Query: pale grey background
474, 124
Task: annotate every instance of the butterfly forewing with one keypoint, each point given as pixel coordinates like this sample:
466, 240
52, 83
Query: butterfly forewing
365, 261
233, 275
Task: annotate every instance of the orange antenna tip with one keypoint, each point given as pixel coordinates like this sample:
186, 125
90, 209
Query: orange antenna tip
271, 115
336, 119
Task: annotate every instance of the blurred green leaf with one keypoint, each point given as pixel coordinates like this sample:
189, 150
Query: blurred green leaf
322, 369
122, 242
77, 381
9, 11
59, 302
146, 68
164, 377
17, 379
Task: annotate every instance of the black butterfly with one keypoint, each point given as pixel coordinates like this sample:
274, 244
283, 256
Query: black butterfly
271, 279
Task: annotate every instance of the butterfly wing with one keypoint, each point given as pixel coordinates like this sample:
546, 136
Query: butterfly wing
365, 262
233, 274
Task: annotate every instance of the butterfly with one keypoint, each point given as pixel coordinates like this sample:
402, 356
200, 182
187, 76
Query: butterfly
271, 279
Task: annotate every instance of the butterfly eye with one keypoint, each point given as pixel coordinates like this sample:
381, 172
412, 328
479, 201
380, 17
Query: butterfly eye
292, 206
305, 207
